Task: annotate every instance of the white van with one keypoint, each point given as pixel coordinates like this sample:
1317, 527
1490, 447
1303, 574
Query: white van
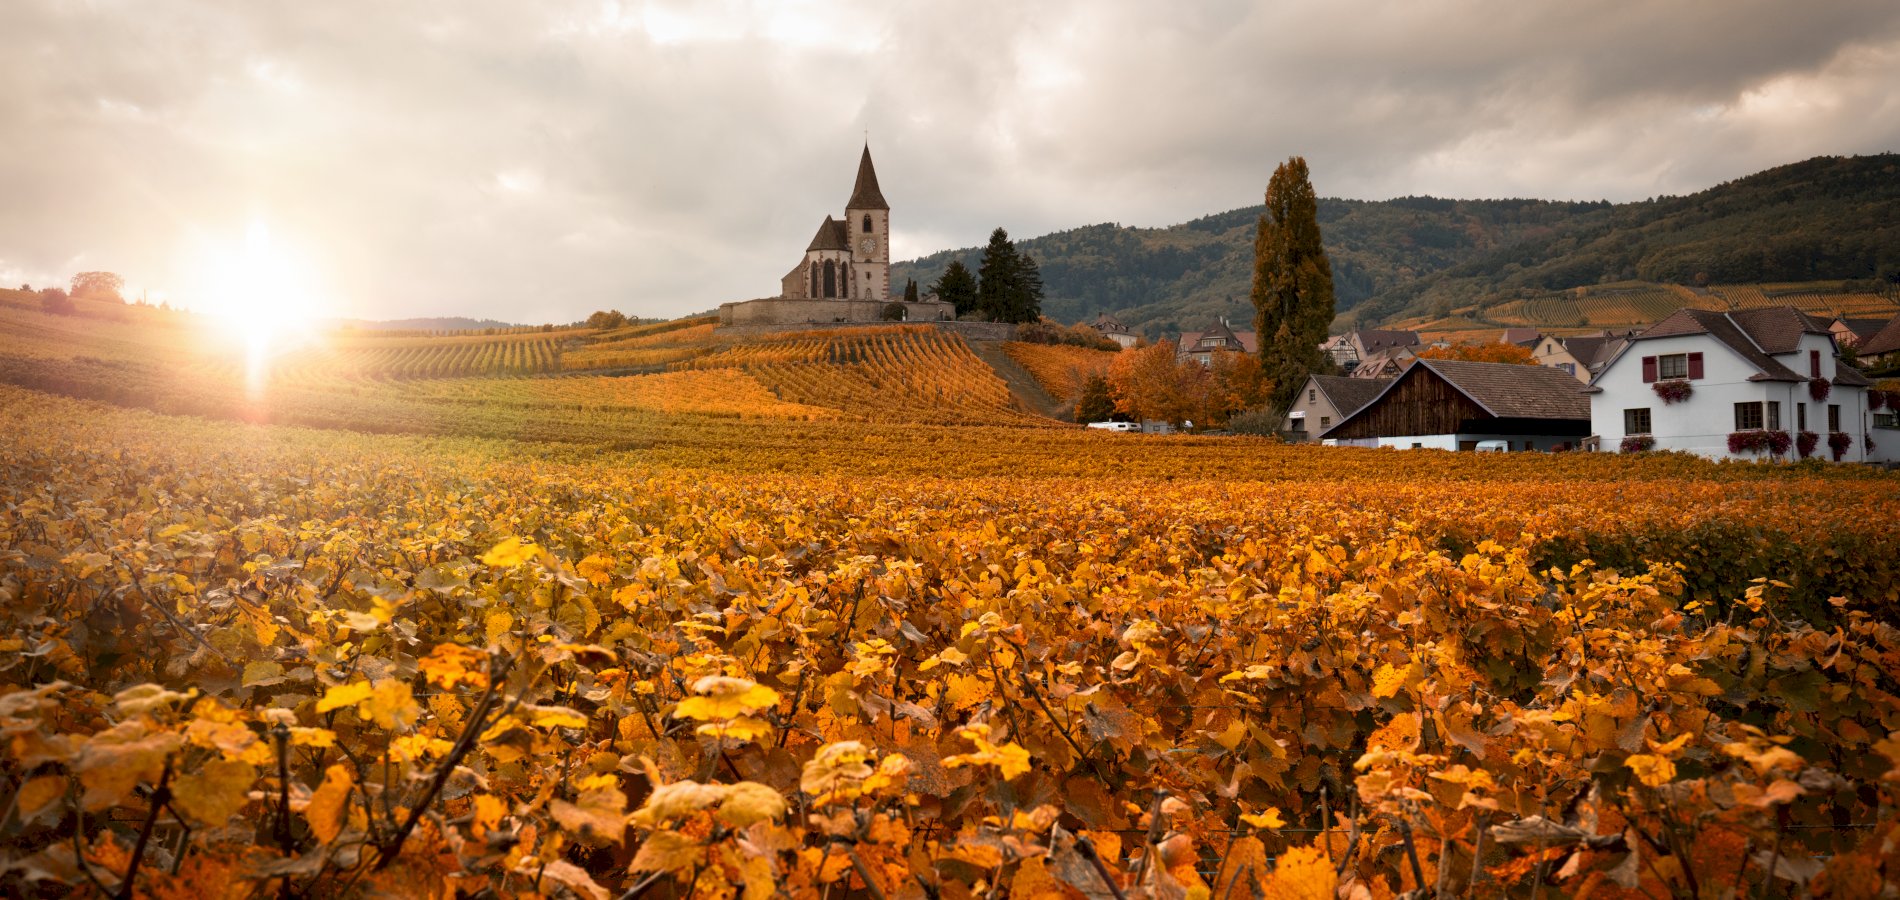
1115, 426
1494, 446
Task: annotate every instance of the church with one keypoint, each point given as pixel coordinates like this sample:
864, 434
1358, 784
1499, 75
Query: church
848, 258
845, 274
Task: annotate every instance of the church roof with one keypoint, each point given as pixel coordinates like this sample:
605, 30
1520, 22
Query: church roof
864, 194
831, 236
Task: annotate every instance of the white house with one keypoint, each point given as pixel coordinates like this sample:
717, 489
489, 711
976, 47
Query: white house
1750, 384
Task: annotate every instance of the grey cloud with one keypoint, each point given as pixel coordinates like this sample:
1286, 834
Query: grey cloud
537, 161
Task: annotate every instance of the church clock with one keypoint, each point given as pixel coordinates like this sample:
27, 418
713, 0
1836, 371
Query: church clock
866, 244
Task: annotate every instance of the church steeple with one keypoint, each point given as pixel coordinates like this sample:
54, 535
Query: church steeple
864, 194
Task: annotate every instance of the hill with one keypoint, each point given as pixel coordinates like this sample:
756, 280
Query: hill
437, 323
1425, 258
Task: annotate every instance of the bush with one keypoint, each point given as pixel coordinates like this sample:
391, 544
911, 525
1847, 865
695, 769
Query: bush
1046, 331
56, 301
894, 312
1260, 421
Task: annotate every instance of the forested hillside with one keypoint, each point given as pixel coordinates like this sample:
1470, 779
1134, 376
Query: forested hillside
1828, 218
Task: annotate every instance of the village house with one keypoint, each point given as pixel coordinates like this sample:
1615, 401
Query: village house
1113, 329
1201, 346
1325, 400
1351, 349
1522, 337
1880, 351
1850, 332
1444, 404
1748, 384
1385, 363
1582, 356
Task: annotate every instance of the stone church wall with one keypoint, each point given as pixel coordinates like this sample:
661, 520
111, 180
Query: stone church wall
971, 331
792, 311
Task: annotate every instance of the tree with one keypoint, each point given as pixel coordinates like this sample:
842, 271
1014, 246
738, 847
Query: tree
893, 312
55, 301
1495, 353
606, 319
1009, 285
910, 290
1096, 402
957, 287
98, 286
1153, 384
1292, 283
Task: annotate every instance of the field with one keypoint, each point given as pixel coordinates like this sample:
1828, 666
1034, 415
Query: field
1061, 370
594, 635
1624, 305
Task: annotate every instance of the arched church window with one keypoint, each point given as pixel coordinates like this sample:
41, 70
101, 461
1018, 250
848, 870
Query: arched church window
831, 279
867, 224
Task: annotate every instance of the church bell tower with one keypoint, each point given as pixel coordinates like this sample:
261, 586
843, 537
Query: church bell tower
868, 219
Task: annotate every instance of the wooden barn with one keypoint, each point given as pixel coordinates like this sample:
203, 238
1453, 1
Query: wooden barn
1455, 405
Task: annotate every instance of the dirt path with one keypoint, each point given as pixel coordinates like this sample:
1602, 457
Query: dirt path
1028, 391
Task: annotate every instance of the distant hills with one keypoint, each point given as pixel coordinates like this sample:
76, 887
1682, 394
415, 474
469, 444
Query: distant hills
440, 323
1420, 259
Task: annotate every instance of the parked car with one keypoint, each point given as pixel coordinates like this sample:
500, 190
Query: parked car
1494, 446
1115, 426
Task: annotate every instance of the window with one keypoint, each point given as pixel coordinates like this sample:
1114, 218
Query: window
1569, 368
1674, 365
1748, 416
1299, 424
1833, 417
1814, 363
1636, 421
1774, 415
1886, 420
1800, 417
1325, 421
1418, 446
1312, 395
867, 224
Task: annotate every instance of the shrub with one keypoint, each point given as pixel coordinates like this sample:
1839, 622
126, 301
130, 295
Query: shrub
1674, 390
1756, 441
894, 312
57, 302
1818, 389
1638, 443
1838, 442
1806, 442
1257, 421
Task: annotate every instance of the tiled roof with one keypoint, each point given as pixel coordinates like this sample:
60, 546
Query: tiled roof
1863, 329
864, 194
1778, 329
1511, 391
1722, 327
1848, 376
831, 235
1884, 341
1523, 337
1108, 324
1372, 340
1349, 395
1249, 341
1375, 363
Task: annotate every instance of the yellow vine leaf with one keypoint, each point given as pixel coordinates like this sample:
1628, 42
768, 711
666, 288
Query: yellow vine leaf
216, 792
325, 814
668, 851
724, 697
344, 695
1270, 819
1011, 759
510, 552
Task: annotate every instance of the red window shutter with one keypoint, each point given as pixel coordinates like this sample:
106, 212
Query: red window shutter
1649, 369
1814, 363
1695, 365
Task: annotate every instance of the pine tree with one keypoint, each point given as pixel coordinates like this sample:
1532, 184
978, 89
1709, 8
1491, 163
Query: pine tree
910, 290
1292, 283
996, 277
957, 287
1027, 298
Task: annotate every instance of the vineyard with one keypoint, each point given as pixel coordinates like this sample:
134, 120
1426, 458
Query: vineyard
1062, 370
250, 660
1635, 304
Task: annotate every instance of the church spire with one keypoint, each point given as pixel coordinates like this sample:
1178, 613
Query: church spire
864, 194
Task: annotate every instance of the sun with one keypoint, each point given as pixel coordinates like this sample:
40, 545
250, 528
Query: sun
261, 294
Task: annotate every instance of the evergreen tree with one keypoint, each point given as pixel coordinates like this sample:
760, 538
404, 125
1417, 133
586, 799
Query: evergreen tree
1010, 284
957, 287
910, 290
1292, 283
1096, 402
996, 277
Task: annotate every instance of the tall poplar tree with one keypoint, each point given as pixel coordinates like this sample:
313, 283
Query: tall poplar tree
1292, 283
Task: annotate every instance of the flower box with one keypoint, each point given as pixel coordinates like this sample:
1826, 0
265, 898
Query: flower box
1674, 390
1805, 442
1818, 389
1758, 441
1638, 443
1839, 441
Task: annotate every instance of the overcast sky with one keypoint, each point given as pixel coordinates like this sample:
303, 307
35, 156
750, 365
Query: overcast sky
533, 161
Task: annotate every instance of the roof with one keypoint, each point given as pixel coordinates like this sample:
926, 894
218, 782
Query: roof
864, 194
1108, 324
1512, 391
1376, 362
1862, 329
1725, 328
1848, 376
1523, 337
1884, 341
1592, 350
1779, 329
1371, 340
1349, 395
1248, 340
832, 235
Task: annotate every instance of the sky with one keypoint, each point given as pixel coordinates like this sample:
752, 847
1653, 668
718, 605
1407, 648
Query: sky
533, 162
